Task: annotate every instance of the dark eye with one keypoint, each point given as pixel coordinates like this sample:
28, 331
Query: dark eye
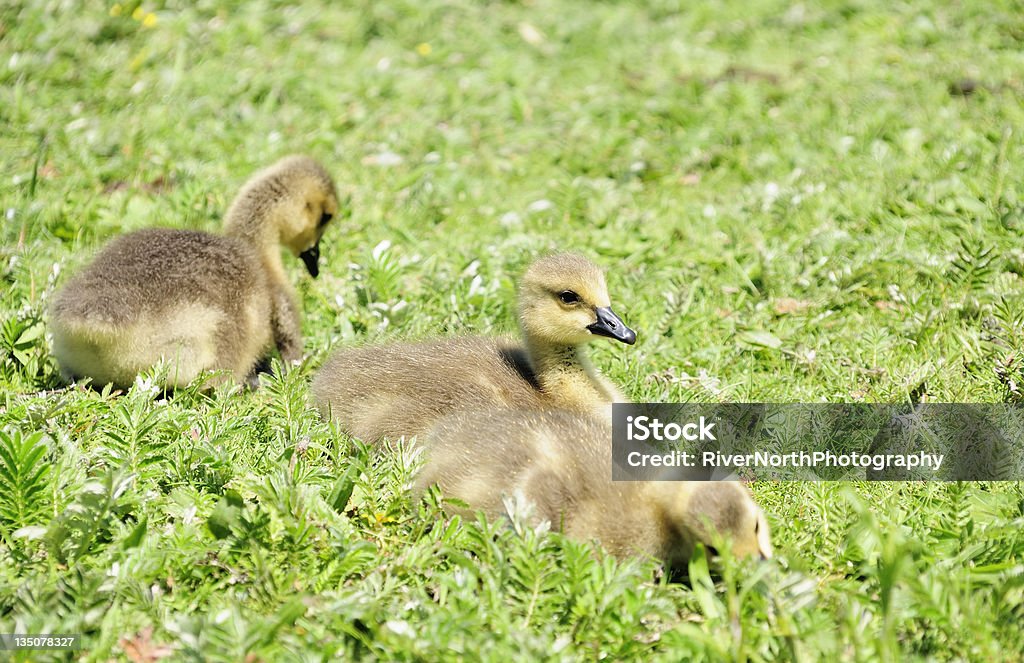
711, 550
569, 297
324, 218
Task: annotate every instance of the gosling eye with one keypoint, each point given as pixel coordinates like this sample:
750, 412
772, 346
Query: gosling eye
757, 527
711, 551
569, 297
325, 217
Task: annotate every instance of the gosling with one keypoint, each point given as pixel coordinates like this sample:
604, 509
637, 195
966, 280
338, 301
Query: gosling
400, 390
197, 301
561, 463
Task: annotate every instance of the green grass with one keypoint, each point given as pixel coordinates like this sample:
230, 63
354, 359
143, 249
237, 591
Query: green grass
790, 203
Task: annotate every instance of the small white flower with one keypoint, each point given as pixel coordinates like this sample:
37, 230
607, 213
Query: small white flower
540, 205
510, 219
385, 159
383, 64
145, 385
710, 211
530, 34
10, 214
400, 627
381, 247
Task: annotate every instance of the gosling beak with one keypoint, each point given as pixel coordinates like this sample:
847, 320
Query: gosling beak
610, 325
310, 257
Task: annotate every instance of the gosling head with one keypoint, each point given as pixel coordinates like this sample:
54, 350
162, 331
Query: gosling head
290, 203
563, 300
315, 203
715, 511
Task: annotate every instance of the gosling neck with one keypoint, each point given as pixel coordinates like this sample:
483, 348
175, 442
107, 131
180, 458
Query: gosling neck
254, 224
565, 374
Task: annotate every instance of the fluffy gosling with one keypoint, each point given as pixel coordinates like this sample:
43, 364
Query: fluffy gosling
400, 390
195, 300
561, 462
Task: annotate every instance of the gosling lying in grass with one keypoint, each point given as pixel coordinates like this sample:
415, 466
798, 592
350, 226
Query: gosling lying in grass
399, 390
194, 300
561, 462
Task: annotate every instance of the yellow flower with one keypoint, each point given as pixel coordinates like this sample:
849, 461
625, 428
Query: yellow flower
138, 13
424, 49
149, 21
115, 10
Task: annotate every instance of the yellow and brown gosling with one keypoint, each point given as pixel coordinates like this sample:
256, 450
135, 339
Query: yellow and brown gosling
561, 463
194, 300
399, 390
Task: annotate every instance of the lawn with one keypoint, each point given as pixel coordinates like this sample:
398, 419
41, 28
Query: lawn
793, 202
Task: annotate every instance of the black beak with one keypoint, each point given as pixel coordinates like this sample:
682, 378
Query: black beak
310, 257
610, 325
